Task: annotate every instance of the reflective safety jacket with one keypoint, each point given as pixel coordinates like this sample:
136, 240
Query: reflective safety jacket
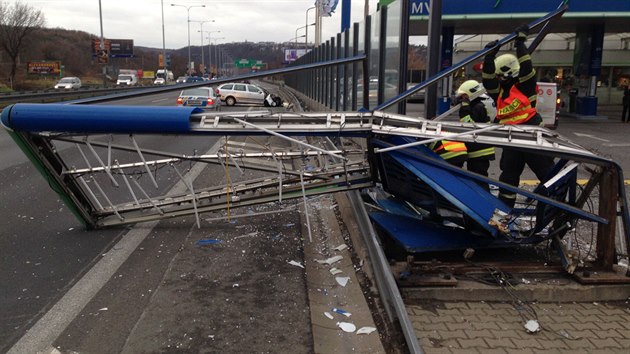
515, 108
476, 111
449, 150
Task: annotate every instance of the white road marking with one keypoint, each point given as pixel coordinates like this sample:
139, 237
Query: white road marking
590, 136
160, 100
40, 337
617, 145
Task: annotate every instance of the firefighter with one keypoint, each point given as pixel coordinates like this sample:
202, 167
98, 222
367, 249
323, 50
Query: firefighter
511, 82
476, 107
453, 152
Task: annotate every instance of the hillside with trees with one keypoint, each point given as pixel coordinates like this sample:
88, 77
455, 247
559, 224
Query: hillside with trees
24, 38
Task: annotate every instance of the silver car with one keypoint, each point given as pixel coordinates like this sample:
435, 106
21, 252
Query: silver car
70, 82
233, 93
203, 97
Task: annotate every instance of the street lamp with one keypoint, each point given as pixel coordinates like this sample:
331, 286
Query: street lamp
188, 12
216, 53
306, 22
299, 28
209, 33
163, 44
203, 64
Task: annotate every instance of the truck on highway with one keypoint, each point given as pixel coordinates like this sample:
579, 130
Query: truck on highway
168, 77
128, 77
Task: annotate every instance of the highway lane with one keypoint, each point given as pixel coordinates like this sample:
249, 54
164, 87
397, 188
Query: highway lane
45, 250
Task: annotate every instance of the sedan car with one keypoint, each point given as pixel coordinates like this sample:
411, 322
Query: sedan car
159, 81
199, 97
181, 79
233, 93
68, 83
194, 79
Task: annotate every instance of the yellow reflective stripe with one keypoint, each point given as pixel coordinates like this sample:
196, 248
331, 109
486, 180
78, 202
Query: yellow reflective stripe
524, 58
492, 91
451, 154
515, 119
527, 77
453, 145
466, 119
481, 153
485, 75
508, 195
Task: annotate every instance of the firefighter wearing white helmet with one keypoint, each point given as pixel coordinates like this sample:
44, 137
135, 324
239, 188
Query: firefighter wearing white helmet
511, 82
476, 107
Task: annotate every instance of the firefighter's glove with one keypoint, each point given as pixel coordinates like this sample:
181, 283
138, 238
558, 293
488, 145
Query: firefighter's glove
494, 45
521, 32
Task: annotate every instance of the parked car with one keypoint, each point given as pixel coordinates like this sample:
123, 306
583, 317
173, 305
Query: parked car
199, 97
70, 82
127, 79
233, 93
181, 79
159, 81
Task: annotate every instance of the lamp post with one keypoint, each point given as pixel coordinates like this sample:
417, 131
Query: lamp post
299, 28
163, 43
216, 53
203, 64
188, 19
209, 33
306, 23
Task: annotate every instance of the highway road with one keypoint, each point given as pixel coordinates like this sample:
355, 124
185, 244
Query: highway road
46, 252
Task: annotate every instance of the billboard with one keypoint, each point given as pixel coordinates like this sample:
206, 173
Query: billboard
113, 48
43, 67
293, 54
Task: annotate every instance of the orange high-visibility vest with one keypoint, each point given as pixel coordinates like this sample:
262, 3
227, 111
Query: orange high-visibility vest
514, 109
449, 149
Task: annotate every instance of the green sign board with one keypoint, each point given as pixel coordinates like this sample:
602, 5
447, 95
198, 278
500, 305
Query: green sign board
248, 63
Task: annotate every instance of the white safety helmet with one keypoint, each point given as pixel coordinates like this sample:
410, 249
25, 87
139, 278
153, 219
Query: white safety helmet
507, 65
470, 88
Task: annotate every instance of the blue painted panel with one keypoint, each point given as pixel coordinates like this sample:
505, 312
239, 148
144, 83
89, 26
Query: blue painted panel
97, 119
511, 7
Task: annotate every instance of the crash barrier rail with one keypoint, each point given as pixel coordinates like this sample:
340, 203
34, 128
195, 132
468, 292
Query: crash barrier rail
58, 95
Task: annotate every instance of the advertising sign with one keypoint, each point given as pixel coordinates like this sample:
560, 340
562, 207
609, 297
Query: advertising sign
43, 67
293, 54
113, 48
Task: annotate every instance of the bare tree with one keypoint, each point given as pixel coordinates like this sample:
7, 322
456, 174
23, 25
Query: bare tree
17, 22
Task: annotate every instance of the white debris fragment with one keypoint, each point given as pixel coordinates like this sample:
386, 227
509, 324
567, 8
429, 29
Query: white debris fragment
297, 264
341, 247
235, 285
366, 330
532, 326
347, 326
342, 280
525, 281
327, 314
103, 309
330, 260
335, 271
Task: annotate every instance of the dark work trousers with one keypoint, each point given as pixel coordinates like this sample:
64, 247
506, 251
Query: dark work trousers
479, 166
625, 114
512, 165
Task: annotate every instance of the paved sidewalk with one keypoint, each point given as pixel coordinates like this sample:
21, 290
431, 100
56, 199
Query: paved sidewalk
487, 327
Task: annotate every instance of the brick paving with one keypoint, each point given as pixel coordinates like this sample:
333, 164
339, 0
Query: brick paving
487, 327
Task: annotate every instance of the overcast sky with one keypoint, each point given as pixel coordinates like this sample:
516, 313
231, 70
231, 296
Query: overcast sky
238, 20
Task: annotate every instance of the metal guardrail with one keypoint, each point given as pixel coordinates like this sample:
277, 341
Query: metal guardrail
53, 95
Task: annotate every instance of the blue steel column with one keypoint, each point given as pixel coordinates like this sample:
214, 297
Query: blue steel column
345, 15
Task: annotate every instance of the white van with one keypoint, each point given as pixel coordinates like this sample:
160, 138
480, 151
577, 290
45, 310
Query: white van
127, 79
